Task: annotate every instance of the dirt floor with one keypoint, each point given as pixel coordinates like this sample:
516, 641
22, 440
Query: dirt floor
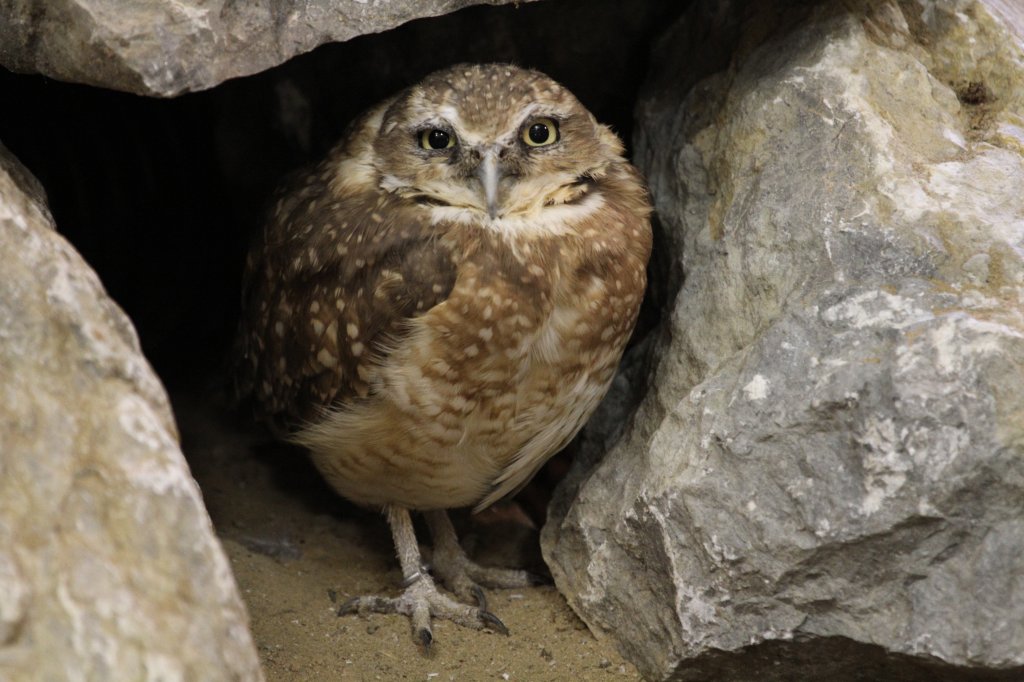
299, 551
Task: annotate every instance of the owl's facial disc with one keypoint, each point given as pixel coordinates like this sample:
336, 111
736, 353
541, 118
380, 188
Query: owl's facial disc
512, 153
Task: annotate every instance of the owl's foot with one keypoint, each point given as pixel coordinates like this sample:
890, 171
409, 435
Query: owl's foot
421, 599
463, 576
422, 602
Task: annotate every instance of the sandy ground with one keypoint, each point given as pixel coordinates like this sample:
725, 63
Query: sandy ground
298, 551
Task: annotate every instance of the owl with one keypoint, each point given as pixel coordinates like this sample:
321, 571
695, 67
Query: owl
436, 308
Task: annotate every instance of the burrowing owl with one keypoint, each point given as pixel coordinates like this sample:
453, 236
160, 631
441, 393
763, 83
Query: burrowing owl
436, 308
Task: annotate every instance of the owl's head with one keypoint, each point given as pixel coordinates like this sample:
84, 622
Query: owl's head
491, 142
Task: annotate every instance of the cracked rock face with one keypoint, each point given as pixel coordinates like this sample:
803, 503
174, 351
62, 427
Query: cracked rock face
826, 477
109, 567
168, 47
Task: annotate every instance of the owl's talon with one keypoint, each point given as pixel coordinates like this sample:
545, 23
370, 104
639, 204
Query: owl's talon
492, 622
426, 638
481, 598
421, 610
350, 606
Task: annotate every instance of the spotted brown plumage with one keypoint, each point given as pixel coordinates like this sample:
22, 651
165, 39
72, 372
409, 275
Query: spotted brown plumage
437, 307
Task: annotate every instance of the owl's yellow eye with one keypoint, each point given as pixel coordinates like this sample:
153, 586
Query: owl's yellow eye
540, 132
434, 138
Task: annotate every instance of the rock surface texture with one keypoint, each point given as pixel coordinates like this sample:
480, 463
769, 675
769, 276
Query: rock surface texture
167, 47
826, 478
109, 568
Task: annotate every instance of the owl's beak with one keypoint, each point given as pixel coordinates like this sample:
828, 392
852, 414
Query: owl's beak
489, 173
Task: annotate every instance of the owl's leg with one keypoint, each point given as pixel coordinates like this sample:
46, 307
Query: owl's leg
461, 575
421, 599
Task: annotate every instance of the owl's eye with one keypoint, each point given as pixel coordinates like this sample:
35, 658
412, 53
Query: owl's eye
434, 138
540, 132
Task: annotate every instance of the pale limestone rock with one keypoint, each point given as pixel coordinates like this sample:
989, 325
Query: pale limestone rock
109, 567
826, 477
168, 47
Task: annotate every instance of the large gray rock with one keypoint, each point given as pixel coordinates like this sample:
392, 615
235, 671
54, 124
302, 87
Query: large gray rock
109, 568
167, 47
825, 479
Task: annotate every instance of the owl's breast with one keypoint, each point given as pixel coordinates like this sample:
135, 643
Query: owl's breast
505, 371
489, 383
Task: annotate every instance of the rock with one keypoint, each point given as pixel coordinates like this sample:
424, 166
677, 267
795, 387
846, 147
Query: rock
168, 47
109, 568
825, 479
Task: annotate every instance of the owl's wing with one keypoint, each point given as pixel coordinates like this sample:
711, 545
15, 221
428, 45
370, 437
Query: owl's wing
329, 290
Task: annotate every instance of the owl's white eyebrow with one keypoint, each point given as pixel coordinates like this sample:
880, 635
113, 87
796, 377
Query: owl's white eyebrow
451, 116
529, 112
447, 117
432, 122
536, 109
